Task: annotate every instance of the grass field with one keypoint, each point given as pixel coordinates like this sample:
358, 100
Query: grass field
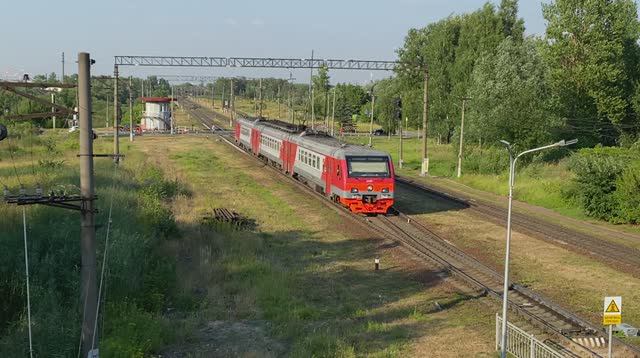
139, 277
302, 284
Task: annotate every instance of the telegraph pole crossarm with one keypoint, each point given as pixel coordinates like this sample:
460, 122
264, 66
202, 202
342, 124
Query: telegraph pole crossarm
60, 201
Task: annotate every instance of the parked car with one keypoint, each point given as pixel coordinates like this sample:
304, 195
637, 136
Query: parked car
379, 132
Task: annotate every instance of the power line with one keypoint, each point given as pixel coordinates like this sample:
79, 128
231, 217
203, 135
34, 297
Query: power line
104, 257
26, 266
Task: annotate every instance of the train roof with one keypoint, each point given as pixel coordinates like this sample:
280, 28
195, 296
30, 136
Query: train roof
317, 141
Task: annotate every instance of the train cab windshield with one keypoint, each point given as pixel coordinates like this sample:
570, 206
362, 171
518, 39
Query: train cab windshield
368, 166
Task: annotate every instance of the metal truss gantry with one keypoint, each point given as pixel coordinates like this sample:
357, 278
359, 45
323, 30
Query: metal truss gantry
288, 63
189, 78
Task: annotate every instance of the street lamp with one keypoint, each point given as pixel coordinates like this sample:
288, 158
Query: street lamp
512, 173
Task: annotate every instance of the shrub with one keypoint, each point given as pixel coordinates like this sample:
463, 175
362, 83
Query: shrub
628, 194
605, 182
489, 160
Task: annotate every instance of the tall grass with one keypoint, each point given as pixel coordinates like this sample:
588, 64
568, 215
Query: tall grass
138, 281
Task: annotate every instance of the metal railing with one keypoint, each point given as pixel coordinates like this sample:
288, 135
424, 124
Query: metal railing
522, 344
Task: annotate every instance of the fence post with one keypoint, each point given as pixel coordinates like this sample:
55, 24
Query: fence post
532, 346
497, 332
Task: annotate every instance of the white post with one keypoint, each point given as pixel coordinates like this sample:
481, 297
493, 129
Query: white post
464, 100
532, 346
610, 339
497, 332
505, 291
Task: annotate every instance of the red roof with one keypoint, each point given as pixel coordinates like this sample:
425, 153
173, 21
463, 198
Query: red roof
157, 99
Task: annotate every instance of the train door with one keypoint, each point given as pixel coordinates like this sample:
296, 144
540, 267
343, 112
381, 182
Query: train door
327, 170
255, 141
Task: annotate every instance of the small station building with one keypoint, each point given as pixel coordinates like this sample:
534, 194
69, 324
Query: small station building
157, 114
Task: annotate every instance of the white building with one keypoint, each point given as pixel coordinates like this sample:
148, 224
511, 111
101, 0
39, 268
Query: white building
157, 114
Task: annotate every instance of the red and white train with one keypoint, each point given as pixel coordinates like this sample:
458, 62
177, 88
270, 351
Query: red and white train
360, 178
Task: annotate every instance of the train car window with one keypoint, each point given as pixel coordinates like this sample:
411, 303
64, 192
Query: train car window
368, 166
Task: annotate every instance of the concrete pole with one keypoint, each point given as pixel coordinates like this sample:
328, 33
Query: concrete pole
278, 102
373, 102
106, 117
311, 89
400, 159
62, 77
222, 99
116, 119
333, 112
424, 170
171, 123
53, 109
213, 98
313, 113
464, 101
88, 287
260, 102
233, 105
130, 112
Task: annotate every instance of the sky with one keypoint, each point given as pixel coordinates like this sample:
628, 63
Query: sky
34, 33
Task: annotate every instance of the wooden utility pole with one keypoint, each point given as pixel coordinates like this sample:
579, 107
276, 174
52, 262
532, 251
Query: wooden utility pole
88, 275
464, 101
424, 170
116, 119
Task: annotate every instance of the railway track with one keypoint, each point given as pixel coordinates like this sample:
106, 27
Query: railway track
566, 332
617, 256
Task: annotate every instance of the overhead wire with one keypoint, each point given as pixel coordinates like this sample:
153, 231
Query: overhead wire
104, 258
26, 267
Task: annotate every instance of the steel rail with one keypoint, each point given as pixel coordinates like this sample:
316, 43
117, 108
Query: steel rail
583, 327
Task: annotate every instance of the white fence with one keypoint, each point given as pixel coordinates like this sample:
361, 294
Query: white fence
522, 344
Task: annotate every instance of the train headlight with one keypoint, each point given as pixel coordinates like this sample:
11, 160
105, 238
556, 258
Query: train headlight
354, 190
370, 188
385, 190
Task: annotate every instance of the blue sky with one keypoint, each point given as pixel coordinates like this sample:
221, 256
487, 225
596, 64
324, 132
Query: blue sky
35, 32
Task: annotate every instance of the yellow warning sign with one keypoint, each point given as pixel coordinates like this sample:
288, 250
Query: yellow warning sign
612, 308
611, 320
612, 311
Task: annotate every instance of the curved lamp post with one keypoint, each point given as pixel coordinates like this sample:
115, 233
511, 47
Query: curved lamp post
513, 157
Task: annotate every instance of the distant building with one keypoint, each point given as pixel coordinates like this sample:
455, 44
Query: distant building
157, 114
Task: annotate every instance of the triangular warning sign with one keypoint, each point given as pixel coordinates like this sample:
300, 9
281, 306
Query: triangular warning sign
613, 307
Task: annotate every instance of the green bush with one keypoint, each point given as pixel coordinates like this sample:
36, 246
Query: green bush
606, 183
489, 160
628, 194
